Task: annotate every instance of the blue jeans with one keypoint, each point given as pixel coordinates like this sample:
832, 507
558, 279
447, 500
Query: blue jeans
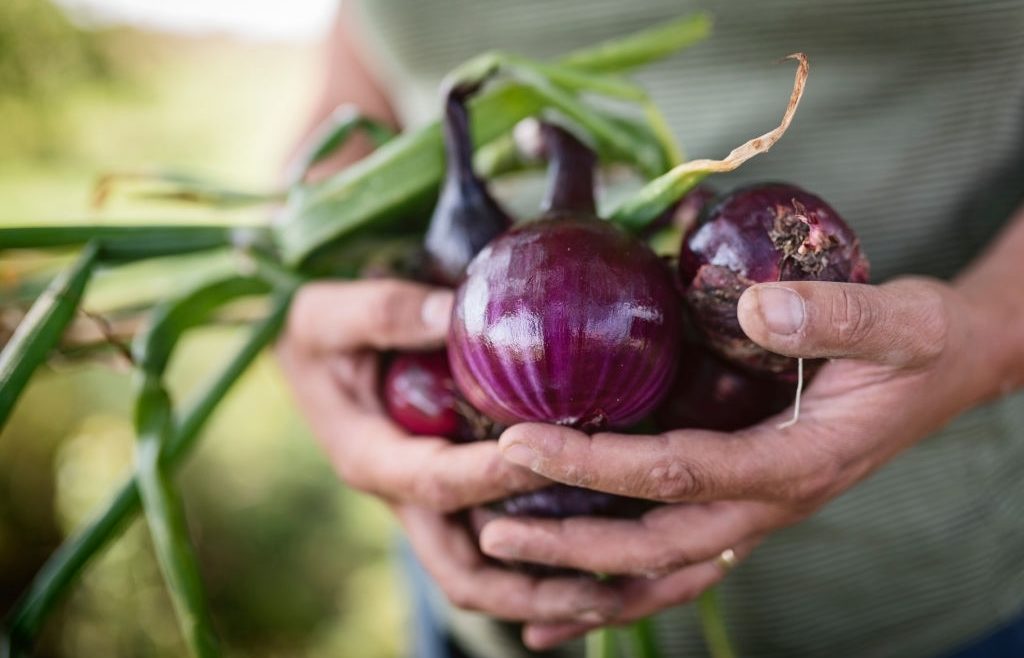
431, 640
1005, 642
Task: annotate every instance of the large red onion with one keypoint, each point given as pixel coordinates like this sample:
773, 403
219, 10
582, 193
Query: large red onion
758, 234
566, 319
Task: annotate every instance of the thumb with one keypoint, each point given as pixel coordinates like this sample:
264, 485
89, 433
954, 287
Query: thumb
380, 314
903, 323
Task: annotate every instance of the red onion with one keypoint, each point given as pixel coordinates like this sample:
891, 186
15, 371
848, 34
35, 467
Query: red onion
419, 394
762, 233
712, 394
566, 319
561, 501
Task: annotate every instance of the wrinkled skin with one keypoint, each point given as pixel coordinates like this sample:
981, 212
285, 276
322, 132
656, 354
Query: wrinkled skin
905, 358
759, 234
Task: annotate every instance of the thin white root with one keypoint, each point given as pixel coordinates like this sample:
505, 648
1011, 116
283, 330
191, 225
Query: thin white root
799, 394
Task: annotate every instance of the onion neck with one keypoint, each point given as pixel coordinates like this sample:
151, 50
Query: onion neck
571, 163
466, 217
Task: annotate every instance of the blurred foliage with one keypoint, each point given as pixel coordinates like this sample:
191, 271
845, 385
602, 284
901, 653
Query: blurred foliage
295, 564
42, 57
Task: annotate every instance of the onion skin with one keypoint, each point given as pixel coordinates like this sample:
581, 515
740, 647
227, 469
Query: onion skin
715, 395
560, 501
565, 320
420, 396
759, 234
570, 184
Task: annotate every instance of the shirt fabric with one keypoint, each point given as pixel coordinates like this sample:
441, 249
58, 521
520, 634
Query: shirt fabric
912, 127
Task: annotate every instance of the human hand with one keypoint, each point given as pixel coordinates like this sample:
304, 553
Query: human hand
329, 352
911, 355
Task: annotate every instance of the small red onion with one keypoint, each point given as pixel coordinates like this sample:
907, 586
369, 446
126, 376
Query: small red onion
758, 234
419, 394
712, 394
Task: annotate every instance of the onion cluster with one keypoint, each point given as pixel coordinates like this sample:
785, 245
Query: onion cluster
568, 319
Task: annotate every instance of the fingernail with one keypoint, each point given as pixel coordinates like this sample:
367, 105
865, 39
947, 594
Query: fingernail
517, 453
781, 309
437, 309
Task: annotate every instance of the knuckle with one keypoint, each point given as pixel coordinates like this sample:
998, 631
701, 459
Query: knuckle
928, 337
818, 483
932, 330
352, 476
303, 314
460, 595
666, 559
385, 316
675, 480
437, 494
852, 317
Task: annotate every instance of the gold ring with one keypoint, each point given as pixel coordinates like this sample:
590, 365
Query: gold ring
727, 560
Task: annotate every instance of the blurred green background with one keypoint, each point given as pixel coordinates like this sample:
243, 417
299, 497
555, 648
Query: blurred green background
295, 565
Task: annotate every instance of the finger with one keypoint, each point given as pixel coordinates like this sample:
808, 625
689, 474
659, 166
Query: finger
641, 598
661, 541
901, 324
676, 466
473, 583
374, 455
379, 314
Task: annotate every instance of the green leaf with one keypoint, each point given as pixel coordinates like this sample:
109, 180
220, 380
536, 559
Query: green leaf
397, 181
179, 188
67, 563
713, 625
331, 135
654, 198
642, 47
133, 242
41, 329
169, 321
642, 639
165, 516
400, 180
600, 643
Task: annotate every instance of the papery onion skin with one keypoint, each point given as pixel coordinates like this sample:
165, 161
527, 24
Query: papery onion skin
759, 234
568, 320
715, 395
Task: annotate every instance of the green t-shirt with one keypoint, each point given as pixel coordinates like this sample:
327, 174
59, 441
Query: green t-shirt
912, 126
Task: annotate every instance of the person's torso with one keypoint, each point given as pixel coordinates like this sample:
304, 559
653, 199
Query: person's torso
912, 126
